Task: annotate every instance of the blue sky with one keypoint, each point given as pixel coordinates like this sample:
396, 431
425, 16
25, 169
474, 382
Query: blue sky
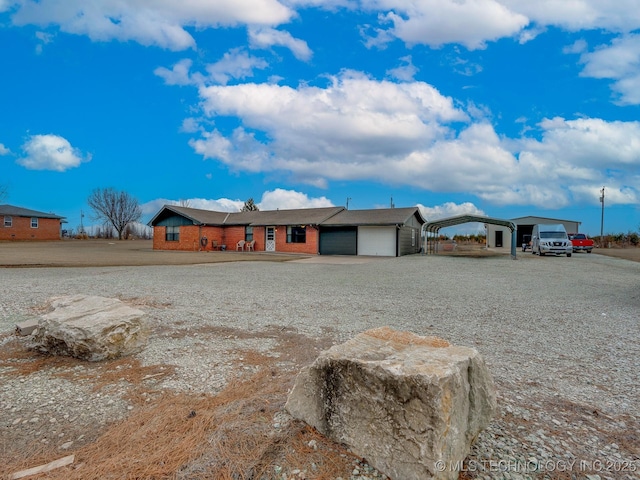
506, 108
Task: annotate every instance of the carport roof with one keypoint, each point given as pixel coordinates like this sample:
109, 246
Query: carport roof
436, 225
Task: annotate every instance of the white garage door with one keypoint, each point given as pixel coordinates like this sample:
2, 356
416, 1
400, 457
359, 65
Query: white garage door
379, 241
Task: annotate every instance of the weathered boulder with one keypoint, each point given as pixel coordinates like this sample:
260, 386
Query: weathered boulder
90, 328
26, 327
411, 405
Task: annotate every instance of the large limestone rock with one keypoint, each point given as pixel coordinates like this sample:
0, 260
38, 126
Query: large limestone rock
412, 406
90, 328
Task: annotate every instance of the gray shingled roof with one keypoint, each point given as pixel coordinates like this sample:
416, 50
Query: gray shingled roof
302, 216
196, 215
244, 218
382, 216
12, 211
329, 216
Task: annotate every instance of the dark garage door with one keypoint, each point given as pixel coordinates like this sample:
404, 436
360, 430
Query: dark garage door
522, 231
338, 241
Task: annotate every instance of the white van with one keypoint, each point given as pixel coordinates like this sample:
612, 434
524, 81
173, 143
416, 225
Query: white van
550, 239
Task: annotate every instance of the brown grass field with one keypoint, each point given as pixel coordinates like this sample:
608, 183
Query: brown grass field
114, 253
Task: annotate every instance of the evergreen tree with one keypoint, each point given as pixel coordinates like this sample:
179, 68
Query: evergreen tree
250, 206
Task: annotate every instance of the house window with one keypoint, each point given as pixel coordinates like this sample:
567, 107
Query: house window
34, 222
248, 234
296, 235
172, 234
413, 237
8, 221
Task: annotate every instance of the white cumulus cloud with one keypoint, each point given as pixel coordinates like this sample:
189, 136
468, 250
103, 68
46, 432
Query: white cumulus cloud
573, 157
51, 152
178, 74
437, 22
290, 199
452, 209
449, 209
404, 72
359, 129
219, 205
575, 15
271, 200
352, 129
265, 37
160, 22
236, 64
620, 62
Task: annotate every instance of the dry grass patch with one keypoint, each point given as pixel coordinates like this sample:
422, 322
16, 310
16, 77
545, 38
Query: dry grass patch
240, 433
24, 361
227, 436
20, 360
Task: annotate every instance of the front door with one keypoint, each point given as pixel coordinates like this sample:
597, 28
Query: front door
270, 240
498, 238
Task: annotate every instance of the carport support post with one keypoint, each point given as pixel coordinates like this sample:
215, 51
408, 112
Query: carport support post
513, 244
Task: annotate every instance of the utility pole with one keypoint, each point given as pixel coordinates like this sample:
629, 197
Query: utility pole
348, 198
602, 219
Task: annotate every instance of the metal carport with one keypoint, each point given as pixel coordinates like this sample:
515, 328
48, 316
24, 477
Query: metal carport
434, 227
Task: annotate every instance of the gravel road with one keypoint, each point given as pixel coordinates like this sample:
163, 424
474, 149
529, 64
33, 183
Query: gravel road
560, 335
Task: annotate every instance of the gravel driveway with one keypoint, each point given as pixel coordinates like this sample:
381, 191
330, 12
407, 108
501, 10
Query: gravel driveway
560, 335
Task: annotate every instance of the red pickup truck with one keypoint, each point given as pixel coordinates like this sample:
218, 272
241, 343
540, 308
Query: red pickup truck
581, 243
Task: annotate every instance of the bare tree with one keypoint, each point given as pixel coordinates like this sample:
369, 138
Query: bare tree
4, 192
117, 209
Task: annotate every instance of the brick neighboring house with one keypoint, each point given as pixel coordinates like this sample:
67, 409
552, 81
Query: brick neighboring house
330, 230
24, 224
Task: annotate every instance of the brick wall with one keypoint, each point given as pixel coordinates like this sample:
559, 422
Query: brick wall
20, 229
309, 247
230, 236
213, 233
189, 239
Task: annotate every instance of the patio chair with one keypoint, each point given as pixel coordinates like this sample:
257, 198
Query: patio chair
251, 246
240, 245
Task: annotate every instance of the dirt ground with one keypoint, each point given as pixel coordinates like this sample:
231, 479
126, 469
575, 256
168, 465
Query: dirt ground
107, 253
628, 253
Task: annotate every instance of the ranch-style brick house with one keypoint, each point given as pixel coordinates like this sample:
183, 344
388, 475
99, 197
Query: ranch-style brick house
313, 231
24, 224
